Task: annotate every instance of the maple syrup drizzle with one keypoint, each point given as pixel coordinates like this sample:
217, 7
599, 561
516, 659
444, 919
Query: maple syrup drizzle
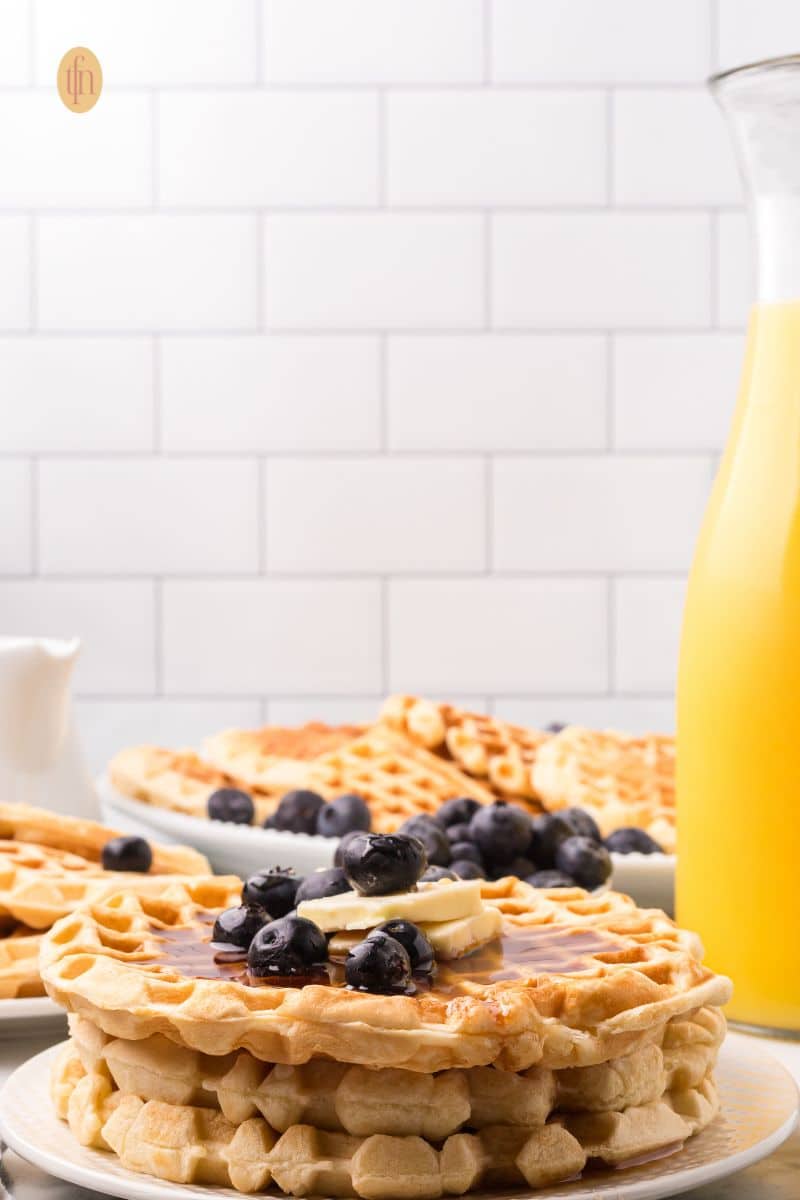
522, 953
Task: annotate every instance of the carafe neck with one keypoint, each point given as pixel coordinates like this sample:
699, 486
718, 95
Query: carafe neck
762, 106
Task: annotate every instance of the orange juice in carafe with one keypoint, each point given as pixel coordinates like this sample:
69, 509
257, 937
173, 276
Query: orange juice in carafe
738, 880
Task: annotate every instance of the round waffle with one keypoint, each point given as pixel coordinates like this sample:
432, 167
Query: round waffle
575, 980
620, 779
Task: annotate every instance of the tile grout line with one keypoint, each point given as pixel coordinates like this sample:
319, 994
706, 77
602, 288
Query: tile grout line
158, 635
33, 276
33, 500
488, 251
385, 631
486, 24
32, 43
157, 432
356, 454
611, 404
258, 23
155, 149
713, 269
488, 507
282, 697
713, 34
261, 516
474, 208
320, 87
611, 160
382, 165
383, 394
611, 626
261, 274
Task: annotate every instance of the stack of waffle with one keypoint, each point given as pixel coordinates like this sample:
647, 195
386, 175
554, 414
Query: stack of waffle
588, 1032
416, 755
49, 865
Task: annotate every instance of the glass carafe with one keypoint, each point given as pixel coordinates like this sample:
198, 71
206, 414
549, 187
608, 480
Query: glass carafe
738, 878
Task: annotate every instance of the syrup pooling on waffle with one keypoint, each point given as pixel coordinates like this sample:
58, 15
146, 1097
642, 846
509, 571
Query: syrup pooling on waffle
105, 960
519, 955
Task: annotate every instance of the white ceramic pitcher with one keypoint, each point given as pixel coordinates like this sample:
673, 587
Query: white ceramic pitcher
41, 761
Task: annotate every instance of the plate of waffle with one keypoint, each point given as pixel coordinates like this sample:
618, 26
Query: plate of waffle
49, 865
551, 1042
416, 756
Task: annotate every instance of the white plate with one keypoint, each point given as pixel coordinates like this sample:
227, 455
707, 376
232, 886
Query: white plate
231, 849
31, 1017
649, 878
759, 1111
243, 849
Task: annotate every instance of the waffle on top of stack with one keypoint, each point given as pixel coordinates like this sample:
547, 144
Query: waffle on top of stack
416, 755
49, 865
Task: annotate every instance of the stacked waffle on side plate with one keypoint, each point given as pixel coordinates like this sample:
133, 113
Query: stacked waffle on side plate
620, 779
49, 865
587, 1031
416, 755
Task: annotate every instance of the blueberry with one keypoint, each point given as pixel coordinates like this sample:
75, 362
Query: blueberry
632, 841
434, 874
550, 879
289, 946
343, 815
582, 824
548, 831
555, 726
521, 867
458, 832
240, 925
378, 964
330, 882
274, 889
231, 804
127, 854
338, 858
465, 868
432, 837
413, 940
458, 811
553, 828
379, 863
297, 812
501, 831
587, 863
467, 851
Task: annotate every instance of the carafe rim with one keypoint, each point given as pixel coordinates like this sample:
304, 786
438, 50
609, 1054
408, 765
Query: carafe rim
761, 64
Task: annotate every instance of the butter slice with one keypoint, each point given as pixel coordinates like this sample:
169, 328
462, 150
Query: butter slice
454, 939
444, 901
450, 939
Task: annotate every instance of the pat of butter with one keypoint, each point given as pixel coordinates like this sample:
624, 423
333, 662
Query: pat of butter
454, 939
443, 901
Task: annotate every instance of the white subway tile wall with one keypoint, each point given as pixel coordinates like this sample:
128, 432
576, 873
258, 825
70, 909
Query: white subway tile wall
357, 345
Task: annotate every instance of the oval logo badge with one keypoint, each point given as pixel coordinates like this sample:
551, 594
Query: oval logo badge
80, 79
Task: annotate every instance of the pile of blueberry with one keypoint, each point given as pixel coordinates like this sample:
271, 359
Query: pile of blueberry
562, 849
463, 840
281, 947
467, 840
299, 811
